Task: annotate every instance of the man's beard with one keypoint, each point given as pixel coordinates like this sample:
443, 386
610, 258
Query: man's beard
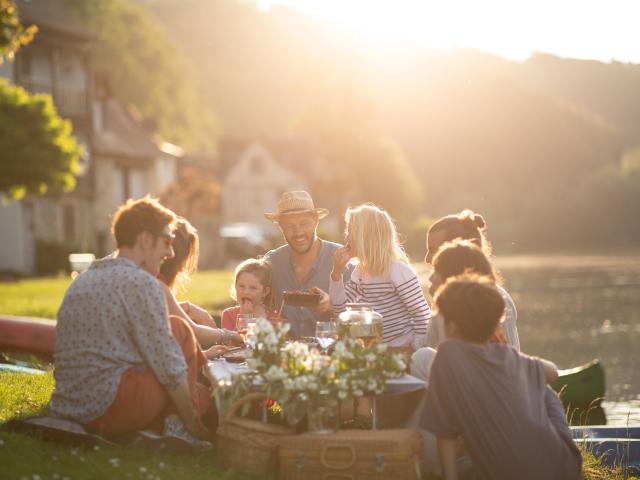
305, 249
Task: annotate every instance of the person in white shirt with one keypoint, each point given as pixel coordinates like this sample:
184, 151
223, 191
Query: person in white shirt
378, 272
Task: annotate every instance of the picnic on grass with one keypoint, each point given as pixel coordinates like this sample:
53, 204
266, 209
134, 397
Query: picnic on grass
331, 353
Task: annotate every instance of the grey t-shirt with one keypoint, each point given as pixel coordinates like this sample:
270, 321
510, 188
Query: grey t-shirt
497, 399
303, 320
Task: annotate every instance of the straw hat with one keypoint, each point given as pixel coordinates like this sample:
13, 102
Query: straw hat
296, 202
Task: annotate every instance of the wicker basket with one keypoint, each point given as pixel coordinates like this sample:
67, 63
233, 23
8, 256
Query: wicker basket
351, 455
249, 446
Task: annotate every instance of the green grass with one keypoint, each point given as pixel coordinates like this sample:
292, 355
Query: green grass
41, 297
22, 456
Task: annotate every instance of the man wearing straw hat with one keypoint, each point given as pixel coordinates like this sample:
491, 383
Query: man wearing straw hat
304, 262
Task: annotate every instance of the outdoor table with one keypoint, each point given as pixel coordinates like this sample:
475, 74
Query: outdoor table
397, 388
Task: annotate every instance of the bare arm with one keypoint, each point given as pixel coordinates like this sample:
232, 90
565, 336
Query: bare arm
447, 451
181, 398
205, 335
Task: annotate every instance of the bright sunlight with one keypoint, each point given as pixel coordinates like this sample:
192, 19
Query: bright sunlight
512, 29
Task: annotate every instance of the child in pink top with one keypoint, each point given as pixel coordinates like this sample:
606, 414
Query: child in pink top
252, 291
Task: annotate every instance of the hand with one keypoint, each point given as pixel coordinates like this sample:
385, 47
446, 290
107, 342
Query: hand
231, 338
324, 306
215, 351
197, 429
340, 259
246, 306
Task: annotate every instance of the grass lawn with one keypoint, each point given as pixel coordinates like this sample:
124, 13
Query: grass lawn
21, 456
42, 297
25, 395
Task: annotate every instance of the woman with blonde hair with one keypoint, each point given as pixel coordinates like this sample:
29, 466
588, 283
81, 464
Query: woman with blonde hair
379, 273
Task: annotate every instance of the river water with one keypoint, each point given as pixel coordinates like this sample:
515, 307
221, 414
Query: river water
572, 309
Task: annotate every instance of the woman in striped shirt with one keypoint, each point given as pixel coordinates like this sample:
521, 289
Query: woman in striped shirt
379, 273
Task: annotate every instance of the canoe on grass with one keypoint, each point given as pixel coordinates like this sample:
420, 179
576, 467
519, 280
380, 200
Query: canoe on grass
28, 335
582, 386
613, 445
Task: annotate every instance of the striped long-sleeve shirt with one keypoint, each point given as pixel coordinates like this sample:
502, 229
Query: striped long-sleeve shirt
398, 297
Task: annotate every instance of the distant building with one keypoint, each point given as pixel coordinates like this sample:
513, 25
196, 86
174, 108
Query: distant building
255, 173
122, 159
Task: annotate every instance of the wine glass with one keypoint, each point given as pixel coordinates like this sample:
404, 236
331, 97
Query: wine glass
325, 332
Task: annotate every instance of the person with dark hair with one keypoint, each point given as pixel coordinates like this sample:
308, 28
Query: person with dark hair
174, 273
495, 398
121, 362
470, 226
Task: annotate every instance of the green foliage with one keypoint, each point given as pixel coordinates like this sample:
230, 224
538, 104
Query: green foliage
39, 151
145, 68
13, 34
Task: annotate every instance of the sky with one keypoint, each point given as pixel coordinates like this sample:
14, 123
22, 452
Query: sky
586, 29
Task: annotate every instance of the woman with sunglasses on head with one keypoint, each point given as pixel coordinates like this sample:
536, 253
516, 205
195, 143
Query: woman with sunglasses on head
174, 273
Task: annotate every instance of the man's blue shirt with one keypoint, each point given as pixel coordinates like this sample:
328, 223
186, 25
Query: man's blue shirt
303, 320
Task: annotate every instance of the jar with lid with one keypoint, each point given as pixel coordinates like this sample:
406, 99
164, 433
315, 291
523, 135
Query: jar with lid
360, 321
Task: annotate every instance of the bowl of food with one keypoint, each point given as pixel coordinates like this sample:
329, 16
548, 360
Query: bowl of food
301, 298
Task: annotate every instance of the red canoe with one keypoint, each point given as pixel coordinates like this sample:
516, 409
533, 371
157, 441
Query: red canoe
28, 335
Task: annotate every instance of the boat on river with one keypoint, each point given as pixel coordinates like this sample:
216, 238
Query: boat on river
581, 387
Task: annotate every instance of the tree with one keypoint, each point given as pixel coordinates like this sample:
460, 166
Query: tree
193, 194
12, 33
145, 68
37, 149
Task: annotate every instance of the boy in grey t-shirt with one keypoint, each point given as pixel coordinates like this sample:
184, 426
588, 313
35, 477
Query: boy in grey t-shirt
492, 396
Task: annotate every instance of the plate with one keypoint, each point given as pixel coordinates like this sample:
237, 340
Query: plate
236, 356
302, 299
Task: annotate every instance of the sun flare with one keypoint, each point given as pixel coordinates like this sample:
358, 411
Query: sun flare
581, 29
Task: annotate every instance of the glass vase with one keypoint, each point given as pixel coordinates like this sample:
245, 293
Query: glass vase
323, 413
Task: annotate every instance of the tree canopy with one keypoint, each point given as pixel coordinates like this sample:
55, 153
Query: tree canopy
146, 68
38, 150
12, 33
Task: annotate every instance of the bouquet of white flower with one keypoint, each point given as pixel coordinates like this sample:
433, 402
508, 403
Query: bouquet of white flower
297, 377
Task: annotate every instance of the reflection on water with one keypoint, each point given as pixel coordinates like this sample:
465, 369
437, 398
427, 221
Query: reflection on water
572, 309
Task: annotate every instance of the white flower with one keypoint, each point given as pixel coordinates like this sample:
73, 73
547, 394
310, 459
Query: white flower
142, 469
381, 347
114, 462
342, 394
370, 357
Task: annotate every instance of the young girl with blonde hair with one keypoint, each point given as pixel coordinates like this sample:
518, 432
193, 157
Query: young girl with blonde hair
379, 273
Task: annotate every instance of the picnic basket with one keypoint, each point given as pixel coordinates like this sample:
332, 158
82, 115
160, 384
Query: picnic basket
246, 445
351, 455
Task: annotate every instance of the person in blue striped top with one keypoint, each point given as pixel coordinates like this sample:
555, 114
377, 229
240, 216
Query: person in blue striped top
373, 268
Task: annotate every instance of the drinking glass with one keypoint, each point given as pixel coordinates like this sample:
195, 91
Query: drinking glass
326, 333
244, 323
